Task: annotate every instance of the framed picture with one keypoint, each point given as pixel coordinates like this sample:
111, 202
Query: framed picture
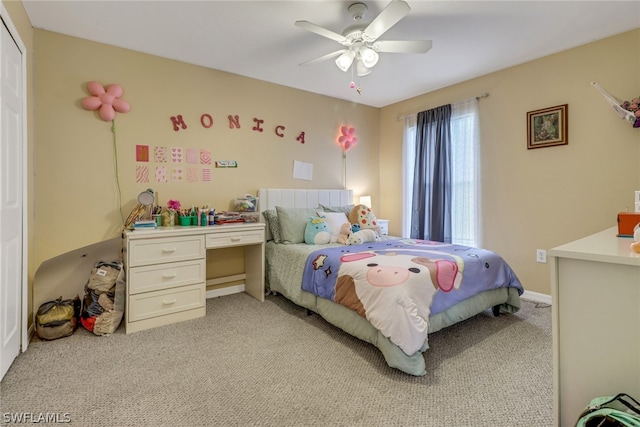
548, 127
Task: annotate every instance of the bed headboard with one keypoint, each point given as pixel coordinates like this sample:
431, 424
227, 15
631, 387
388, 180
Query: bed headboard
269, 198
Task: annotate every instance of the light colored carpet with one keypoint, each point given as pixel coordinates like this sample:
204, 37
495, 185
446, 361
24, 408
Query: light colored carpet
269, 364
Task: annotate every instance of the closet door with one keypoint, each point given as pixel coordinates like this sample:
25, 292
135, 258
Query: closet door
11, 199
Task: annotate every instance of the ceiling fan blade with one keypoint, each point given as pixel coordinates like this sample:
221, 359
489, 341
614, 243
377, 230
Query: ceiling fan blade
306, 25
325, 57
390, 15
402, 46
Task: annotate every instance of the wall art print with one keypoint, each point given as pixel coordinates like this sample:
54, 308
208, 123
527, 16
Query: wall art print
548, 127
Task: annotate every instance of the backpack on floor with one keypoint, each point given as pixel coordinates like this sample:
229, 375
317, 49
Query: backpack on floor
58, 318
618, 411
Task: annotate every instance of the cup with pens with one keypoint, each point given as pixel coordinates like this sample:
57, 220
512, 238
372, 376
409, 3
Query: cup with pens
156, 215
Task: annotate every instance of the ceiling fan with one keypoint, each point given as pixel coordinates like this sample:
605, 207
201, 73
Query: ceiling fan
360, 40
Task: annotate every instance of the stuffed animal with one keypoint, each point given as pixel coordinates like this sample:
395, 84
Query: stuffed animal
362, 215
317, 231
345, 232
363, 236
635, 246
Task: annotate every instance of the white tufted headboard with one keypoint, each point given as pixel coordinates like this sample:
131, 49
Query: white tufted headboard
269, 198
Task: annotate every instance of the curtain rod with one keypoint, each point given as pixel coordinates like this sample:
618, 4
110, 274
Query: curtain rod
482, 95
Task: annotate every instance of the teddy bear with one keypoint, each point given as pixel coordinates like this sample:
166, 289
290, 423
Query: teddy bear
345, 232
364, 217
635, 246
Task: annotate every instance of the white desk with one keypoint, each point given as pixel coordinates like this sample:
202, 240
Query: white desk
166, 270
595, 286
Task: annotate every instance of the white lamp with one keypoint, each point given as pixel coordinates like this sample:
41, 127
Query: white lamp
362, 70
369, 56
345, 60
365, 200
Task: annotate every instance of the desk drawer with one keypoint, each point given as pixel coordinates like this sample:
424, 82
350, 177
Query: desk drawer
157, 277
227, 239
168, 249
160, 303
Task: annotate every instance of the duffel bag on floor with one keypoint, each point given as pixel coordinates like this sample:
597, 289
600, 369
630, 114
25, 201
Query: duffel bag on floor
57, 318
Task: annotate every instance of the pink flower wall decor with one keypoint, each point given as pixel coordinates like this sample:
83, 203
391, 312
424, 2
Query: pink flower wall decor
106, 100
347, 138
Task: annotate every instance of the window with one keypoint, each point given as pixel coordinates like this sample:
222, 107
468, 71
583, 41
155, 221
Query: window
465, 185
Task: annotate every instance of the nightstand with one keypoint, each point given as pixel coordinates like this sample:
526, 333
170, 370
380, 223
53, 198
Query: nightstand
384, 226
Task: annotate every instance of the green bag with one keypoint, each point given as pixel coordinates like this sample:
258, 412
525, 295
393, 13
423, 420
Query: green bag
618, 411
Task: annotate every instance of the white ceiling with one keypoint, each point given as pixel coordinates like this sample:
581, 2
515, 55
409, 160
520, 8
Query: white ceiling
258, 39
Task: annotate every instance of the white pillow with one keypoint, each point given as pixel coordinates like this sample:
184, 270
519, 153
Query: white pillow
335, 221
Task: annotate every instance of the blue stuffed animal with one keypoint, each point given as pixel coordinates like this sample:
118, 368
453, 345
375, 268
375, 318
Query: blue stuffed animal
317, 232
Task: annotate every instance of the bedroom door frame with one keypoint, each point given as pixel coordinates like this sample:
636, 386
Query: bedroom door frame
17, 339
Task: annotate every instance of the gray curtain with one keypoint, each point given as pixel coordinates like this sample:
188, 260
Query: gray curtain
431, 204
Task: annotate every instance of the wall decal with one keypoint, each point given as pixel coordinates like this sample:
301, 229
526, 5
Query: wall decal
226, 164
205, 157
347, 140
258, 123
206, 174
106, 100
177, 174
160, 154
161, 174
142, 153
192, 155
192, 174
234, 121
178, 122
142, 173
176, 155
206, 121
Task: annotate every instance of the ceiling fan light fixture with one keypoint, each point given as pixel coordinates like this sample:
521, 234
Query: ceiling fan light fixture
369, 57
362, 70
345, 60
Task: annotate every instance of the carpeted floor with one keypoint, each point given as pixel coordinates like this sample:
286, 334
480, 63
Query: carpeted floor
269, 364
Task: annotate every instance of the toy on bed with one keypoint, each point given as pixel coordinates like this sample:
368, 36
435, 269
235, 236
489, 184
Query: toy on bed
317, 231
363, 236
351, 234
345, 232
364, 217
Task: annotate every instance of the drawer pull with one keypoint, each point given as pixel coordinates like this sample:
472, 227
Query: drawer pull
168, 250
236, 239
169, 301
169, 275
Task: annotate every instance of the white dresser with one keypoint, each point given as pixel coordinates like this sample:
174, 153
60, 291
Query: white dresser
595, 285
166, 270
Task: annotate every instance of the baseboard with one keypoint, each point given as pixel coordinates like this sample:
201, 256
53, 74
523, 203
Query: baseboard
536, 297
228, 290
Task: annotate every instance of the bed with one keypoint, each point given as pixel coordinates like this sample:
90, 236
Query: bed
357, 300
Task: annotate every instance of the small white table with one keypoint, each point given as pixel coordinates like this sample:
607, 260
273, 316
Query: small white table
595, 286
166, 270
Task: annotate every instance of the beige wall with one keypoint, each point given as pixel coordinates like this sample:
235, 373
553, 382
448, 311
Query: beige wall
532, 198
541, 198
76, 189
